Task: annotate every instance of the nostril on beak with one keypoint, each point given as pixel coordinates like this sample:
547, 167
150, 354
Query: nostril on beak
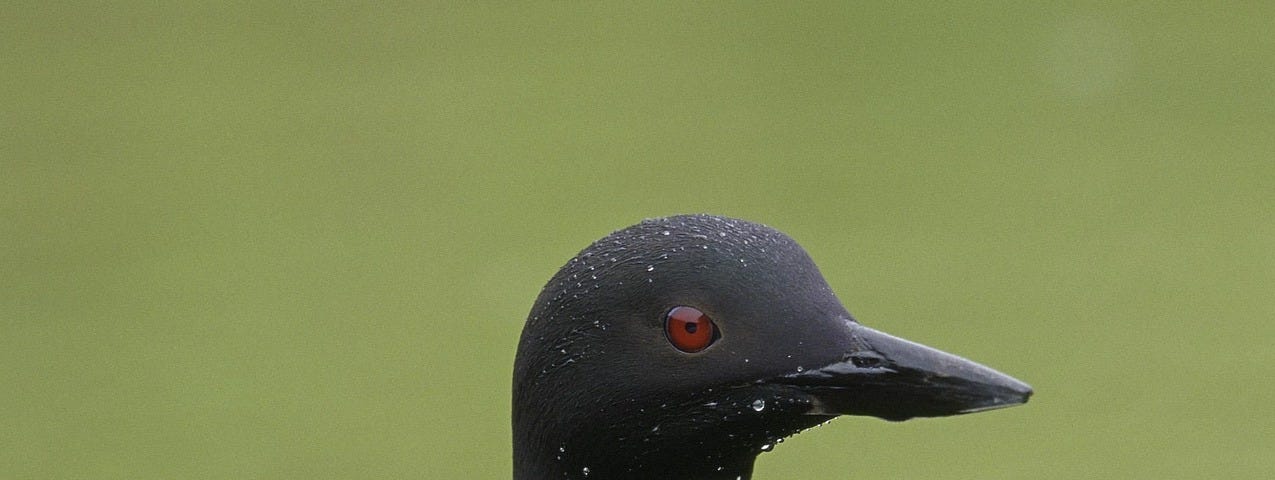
865, 359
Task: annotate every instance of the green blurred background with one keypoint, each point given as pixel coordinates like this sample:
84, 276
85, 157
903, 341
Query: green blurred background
256, 240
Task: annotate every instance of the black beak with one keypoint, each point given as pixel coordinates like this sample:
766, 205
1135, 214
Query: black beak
895, 379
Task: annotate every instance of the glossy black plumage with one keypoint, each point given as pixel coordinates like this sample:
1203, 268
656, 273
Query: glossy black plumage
600, 393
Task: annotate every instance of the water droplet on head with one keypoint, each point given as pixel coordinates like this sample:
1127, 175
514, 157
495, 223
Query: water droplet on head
650, 268
759, 405
766, 447
585, 471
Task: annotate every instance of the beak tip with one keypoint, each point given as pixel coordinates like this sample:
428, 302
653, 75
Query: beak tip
1014, 394
1023, 391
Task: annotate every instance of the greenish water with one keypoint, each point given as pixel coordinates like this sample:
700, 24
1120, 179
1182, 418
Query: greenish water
262, 241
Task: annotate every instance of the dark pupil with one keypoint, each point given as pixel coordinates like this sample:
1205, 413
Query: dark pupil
691, 327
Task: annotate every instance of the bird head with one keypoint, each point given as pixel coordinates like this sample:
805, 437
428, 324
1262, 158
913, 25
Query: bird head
684, 346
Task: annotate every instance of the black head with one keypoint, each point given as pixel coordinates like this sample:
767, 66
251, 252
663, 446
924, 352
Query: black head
608, 384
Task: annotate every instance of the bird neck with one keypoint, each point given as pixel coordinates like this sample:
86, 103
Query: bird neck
686, 437
736, 469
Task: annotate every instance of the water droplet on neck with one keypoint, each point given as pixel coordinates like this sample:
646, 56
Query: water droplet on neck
759, 405
766, 447
585, 471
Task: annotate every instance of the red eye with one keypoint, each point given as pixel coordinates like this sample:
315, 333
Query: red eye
689, 329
